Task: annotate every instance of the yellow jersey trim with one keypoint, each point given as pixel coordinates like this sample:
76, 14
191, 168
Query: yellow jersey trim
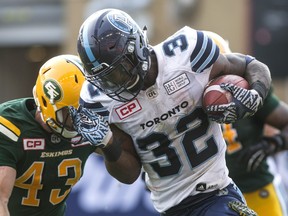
9, 129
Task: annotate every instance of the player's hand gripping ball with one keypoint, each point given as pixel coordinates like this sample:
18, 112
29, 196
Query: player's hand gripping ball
214, 94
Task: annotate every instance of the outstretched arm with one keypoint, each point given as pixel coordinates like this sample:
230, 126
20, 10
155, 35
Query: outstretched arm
272, 143
116, 146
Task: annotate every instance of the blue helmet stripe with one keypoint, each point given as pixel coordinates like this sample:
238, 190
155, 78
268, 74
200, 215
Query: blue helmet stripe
86, 46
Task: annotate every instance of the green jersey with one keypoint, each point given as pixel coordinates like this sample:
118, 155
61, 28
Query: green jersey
242, 134
47, 166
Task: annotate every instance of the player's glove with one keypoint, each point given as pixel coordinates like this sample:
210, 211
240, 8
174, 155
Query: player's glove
241, 208
91, 126
225, 113
255, 154
244, 104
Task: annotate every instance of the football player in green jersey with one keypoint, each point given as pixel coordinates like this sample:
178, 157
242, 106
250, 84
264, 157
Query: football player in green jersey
39, 164
248, 150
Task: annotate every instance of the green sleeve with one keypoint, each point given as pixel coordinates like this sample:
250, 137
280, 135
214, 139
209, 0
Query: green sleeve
270, 103
9, 153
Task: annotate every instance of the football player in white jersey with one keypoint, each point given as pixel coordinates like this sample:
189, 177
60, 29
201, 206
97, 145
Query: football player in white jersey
152, 99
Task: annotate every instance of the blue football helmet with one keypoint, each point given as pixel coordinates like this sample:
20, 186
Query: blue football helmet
114, 51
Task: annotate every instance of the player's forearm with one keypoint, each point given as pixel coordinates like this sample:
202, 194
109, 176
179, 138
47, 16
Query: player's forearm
126, 169
284, 135
121, 164
4, 208
7, 180
258, 76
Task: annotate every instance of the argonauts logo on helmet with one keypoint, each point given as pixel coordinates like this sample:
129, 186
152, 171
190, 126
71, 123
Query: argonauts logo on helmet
52, 90
121, 22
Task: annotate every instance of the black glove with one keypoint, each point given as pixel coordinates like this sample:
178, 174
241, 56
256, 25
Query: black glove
255, 154
244, 103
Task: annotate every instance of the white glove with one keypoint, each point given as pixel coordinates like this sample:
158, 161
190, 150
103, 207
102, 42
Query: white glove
91, 126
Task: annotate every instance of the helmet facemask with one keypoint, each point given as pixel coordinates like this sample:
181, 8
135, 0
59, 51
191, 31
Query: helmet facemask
63, 125
123, 79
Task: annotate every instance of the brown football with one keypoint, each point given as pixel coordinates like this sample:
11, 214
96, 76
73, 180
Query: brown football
215, 95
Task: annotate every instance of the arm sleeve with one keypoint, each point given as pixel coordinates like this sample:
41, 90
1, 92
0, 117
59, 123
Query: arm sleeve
9, 153
204, 54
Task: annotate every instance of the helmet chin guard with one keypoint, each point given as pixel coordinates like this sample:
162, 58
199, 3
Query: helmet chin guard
114, 51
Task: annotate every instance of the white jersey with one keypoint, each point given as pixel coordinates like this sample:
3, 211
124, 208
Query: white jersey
182, 151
